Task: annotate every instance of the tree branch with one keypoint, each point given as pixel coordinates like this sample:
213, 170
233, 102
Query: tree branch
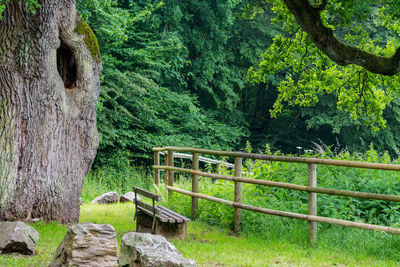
310, 21
322, 5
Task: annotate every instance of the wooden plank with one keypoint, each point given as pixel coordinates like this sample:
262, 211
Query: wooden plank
163, 214
147, 193
174, 213
150, 213
171, 217
312, 203
167, 217
148, 207
160, 214
299, 216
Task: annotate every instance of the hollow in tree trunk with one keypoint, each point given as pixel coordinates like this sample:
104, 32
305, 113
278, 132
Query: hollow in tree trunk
49, 85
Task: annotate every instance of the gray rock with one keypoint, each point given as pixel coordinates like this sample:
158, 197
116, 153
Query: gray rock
130, 196
18, 237
87, 244
141, 249
107, 198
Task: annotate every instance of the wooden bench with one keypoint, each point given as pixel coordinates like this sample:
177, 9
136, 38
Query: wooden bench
158, 220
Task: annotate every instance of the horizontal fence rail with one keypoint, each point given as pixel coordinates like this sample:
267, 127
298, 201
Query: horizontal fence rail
203, 159
237, 179
332, 162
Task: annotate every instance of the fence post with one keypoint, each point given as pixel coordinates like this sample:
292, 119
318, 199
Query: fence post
157, 171
166, 164
312, 203
170, 174
238, 193
218, 166
195, 184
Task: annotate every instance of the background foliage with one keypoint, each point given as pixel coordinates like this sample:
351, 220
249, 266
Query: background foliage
176, 73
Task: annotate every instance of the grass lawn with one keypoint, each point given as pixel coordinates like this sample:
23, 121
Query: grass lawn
215, 247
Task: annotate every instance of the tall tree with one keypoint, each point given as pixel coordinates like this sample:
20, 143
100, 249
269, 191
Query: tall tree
49, 84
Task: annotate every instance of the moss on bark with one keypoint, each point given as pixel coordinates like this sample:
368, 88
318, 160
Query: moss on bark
90, 39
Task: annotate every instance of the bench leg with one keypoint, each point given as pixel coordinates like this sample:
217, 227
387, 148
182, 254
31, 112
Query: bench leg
144, 223
171, 230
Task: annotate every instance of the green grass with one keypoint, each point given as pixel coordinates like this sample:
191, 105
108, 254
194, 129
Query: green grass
211, 247
282, 243
51, 235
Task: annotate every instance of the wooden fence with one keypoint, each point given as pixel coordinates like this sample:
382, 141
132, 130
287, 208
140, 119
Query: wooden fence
237, 179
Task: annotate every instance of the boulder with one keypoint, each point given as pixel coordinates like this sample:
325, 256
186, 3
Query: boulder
18, 237
142, 249
107, 198
89, 245
130, 196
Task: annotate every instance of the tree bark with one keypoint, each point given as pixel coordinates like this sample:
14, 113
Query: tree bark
49, 85
310, 21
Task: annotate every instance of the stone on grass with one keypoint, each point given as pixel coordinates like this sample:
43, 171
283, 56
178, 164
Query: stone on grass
142, 249
107, 198
89, 245
18, 237
130, 196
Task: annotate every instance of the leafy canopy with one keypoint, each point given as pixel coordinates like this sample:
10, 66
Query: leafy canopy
372, 26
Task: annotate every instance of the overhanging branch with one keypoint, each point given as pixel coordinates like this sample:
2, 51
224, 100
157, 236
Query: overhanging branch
322, 6
310, 21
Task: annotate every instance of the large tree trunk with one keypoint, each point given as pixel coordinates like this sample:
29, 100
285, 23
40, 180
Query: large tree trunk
49, 84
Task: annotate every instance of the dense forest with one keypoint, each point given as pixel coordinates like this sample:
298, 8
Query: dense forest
212, 74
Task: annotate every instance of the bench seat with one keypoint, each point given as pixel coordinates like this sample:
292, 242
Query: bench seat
158, 219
